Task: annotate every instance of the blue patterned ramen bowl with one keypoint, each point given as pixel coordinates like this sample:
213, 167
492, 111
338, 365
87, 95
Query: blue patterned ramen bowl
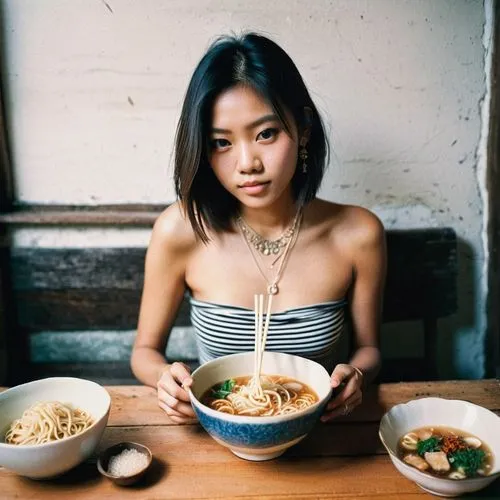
259, 438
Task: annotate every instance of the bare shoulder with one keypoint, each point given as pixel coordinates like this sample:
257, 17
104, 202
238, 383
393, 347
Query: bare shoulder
364, 227
172, 231
351, 225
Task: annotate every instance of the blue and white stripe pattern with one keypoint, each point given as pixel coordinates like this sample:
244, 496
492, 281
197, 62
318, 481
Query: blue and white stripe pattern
309, 331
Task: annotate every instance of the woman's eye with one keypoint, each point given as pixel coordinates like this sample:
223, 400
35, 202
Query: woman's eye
268, 133
219, 143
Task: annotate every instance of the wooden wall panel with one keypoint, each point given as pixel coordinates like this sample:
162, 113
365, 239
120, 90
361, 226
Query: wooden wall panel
78, 268
83, 309
99, 289
82, 289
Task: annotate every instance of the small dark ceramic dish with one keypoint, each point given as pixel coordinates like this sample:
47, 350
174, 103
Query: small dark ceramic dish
105, 457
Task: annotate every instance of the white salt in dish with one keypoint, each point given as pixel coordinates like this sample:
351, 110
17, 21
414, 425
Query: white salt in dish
124, 463
127, 463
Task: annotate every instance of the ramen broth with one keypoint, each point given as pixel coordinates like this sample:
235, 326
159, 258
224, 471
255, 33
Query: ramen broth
445, 452
281, 395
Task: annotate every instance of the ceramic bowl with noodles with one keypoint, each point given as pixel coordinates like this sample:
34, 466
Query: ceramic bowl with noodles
49, 426
261, 437
407, 430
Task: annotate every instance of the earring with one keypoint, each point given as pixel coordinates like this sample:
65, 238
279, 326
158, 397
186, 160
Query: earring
303, 157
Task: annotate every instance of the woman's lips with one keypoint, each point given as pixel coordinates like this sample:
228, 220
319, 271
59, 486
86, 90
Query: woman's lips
254, 188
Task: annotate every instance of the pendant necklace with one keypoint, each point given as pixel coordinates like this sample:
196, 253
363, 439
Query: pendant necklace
263, 245
272, 286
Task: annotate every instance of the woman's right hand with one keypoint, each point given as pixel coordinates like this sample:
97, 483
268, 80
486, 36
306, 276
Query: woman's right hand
172, 394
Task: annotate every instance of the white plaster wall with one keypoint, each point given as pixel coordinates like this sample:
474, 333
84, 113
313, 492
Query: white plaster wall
94, 89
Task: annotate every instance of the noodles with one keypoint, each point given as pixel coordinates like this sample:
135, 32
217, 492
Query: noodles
280, 395
47, 421
260, 395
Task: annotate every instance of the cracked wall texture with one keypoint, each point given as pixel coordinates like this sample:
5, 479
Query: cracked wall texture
94, 90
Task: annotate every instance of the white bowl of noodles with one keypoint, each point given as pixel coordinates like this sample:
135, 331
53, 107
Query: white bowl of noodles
252, 436
416, 433
49, 426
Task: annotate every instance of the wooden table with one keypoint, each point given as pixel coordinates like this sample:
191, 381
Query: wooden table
344, 460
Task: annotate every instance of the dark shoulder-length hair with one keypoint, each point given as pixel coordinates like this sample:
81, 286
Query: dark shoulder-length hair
258, 62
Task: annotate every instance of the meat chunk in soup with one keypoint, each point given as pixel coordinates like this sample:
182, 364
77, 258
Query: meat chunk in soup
437, 460
416, 461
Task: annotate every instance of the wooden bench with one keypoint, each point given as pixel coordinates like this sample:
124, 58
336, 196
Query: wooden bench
74, 311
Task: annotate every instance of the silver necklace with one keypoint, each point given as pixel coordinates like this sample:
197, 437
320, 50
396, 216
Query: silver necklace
263, 245
272, 286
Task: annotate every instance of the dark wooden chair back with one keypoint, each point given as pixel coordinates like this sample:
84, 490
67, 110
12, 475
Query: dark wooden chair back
421, 286
67, 302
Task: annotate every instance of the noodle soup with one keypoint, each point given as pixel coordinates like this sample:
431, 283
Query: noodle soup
445, 452
280, 395
266, 437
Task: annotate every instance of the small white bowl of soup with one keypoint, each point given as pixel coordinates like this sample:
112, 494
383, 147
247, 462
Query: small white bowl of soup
249, 431
49, 426
447, 447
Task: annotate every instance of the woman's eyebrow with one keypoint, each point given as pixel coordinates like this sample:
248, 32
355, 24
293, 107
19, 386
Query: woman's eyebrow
263, 119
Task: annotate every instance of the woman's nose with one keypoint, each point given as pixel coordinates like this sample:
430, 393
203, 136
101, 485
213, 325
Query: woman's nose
248, 161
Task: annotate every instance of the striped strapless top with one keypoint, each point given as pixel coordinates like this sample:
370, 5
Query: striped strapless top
309, 331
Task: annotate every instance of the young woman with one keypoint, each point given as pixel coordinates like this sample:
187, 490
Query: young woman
250, 156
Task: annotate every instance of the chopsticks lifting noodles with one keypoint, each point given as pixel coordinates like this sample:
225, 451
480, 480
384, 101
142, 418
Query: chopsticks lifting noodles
261, 329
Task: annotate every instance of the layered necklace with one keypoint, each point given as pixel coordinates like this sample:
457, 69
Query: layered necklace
279, 248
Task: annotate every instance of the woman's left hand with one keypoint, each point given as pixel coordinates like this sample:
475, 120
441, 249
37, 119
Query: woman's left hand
351, 394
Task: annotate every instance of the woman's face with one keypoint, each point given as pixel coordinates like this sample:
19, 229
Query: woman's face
251, 153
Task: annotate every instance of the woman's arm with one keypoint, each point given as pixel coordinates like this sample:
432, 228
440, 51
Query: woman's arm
370, 264
163, 291
367, 247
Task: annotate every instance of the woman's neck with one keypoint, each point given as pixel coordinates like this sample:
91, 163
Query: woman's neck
270, 222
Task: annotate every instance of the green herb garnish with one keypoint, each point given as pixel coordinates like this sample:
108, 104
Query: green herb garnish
469, 460
224, 389
425, 445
